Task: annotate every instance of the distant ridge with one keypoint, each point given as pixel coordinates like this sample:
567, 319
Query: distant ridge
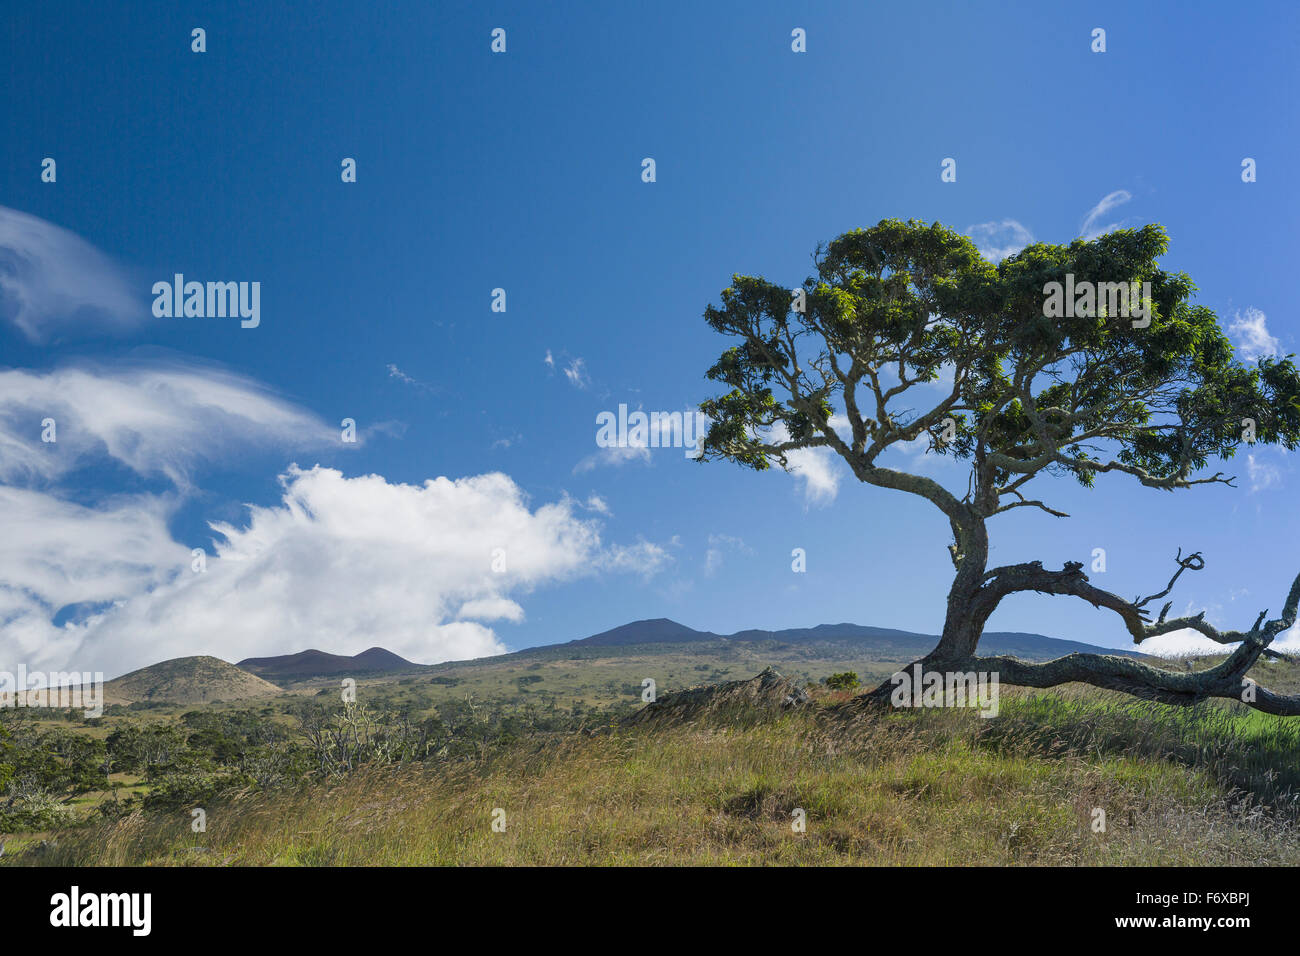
885, 642
664, 631
314, 663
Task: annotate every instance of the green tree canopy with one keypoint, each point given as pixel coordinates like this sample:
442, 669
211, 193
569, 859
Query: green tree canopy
906, 332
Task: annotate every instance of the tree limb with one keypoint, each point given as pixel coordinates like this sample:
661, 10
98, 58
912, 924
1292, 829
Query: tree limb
1226, 680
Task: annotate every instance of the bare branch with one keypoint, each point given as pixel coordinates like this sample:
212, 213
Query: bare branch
1026, 503
1193, 561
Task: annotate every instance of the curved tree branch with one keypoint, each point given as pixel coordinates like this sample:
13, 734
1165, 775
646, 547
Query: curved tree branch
1226, 680
1070, 580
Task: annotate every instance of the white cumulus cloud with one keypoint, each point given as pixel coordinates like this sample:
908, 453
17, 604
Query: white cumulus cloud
338, 563
1249, 332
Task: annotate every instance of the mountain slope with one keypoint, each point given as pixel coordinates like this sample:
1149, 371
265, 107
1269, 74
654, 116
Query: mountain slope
659, 630
188, 680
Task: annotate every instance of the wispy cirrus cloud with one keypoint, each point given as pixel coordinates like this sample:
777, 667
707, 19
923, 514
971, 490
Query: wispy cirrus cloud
613, 456
816, 471
576, 373
718, 544
574, 369
1263, 475
1090, 228
54, 283
154, 418
1000, 238
396, 374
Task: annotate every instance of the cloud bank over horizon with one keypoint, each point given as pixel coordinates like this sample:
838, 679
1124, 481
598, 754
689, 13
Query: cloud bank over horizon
90, 581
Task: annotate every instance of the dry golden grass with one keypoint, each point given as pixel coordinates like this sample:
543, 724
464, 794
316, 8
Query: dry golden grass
918, 788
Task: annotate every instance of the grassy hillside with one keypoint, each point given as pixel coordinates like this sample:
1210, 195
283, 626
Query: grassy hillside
188, 680
708, 775
1201, 786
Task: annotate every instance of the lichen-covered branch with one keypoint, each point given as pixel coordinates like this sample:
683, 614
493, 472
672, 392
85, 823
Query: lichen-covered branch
1226, 680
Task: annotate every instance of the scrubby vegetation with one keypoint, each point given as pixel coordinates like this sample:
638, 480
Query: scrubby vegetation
347, 784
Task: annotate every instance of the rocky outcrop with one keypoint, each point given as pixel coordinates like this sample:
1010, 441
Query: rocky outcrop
742, 701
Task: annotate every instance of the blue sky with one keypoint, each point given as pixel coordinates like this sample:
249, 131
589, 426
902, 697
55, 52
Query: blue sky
522, 171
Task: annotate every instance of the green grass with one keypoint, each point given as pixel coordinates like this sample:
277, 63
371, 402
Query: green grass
1244, 749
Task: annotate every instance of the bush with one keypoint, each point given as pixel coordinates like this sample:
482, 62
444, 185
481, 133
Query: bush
845, 680
34, 812
182, 791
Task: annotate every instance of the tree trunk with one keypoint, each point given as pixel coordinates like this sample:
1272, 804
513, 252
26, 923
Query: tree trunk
963, 623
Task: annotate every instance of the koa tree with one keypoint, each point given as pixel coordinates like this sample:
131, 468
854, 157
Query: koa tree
907, 333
